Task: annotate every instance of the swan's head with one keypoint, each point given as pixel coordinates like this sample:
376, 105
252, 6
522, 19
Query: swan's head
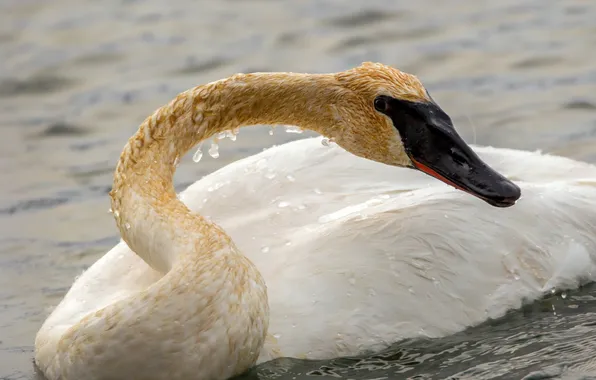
389, 117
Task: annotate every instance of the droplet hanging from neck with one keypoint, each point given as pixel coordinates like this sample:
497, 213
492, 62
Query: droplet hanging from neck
214, 149
293, 129
198, 154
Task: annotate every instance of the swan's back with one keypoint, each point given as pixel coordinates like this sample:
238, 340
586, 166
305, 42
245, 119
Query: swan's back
344, 241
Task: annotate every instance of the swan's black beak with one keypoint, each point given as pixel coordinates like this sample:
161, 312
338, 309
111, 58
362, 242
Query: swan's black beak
434, 147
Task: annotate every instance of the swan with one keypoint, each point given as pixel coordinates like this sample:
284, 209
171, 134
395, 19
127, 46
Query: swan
347, 248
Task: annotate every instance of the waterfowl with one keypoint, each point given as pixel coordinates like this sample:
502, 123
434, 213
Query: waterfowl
314, 251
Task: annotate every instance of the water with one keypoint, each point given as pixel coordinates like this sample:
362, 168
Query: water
78, 77
551, 339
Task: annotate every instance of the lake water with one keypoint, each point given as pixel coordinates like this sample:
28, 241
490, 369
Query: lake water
77, 77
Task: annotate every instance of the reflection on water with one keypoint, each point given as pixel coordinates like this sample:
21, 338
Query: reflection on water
77, 78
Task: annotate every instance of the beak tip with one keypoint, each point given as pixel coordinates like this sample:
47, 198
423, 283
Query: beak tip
511, 190
508, 195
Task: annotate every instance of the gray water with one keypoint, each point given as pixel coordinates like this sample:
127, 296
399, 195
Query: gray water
78, 76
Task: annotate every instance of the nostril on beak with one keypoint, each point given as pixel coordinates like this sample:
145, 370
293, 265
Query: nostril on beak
457, 157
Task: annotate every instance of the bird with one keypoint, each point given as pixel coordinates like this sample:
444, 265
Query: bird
387, 226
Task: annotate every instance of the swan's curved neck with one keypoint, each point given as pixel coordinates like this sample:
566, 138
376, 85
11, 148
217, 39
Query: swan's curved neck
152, 221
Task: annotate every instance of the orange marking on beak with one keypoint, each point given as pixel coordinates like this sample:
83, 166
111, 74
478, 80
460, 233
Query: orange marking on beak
438, 176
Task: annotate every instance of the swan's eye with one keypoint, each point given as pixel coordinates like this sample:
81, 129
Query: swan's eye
381, 104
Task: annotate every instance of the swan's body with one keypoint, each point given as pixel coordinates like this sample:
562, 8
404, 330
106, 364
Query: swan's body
355, 255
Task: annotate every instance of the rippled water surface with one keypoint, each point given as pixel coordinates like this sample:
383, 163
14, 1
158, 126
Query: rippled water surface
78, 76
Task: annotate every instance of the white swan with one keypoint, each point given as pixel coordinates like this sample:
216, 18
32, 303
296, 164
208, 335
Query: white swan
355, 254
